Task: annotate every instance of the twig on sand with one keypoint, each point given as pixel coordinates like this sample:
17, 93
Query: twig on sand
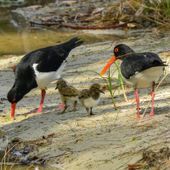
94, 27
79, 27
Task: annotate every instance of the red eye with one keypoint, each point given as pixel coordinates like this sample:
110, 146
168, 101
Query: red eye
116, 50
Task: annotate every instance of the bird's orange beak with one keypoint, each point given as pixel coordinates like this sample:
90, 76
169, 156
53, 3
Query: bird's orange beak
107, 66
13, 106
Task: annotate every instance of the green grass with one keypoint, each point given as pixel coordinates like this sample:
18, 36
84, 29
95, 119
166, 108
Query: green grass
120, 80
109, 85
115, 72
158, 12
164, 6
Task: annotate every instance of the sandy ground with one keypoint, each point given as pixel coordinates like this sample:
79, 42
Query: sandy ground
111, 139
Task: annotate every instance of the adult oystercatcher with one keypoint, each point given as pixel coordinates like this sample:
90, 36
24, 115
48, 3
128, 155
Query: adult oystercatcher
90, 97
140, 70
38, 69
67, 92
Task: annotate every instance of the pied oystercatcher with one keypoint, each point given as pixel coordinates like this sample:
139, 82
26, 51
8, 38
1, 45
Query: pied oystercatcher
37, 69
140, 70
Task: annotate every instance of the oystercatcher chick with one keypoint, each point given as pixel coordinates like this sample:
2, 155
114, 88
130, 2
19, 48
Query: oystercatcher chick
140, 70
67, 92
90, 97
37, 69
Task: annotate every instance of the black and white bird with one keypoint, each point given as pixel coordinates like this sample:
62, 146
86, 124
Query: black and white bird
90, 97
67, 93
37, 69
140, 70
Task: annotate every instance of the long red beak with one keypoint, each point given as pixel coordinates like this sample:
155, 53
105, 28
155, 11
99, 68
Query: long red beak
13, 106
107, 66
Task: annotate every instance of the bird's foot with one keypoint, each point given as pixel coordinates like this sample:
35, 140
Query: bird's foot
138, 116
12, 118
151, 114
138, 113
39, 110
74, 110
61, 106
62, 112
91, 114
138, 109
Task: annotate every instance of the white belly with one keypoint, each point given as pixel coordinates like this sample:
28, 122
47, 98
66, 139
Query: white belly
90, 102
145, 78
44, 78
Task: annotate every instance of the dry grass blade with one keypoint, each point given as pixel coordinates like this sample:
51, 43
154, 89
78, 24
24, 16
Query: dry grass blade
155, 12
4, 163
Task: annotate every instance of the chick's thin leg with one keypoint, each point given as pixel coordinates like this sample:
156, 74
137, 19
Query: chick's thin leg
75, 105
65, 106
91, 112
153, 96
87, 109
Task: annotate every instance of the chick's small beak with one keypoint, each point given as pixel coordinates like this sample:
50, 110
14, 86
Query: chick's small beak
13, 106
107, 66
101, 91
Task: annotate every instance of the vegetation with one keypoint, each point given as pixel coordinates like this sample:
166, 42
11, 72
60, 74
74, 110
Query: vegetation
35, 2
118, 85
142, 13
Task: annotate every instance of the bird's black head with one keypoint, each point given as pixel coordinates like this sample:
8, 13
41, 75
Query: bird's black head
13, 96
24, 82
121, 51
18, 91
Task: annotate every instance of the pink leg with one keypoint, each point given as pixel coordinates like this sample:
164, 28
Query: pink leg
43, 92
137, 103
153, 96
61, 106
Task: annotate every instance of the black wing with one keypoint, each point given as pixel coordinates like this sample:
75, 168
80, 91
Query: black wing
50, 58
138, 62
